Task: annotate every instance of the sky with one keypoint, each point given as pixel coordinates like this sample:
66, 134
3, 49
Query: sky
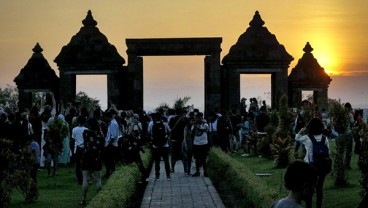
336, 29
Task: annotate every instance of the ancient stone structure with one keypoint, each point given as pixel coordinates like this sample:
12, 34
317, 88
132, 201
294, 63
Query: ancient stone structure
90, 53
36, 76
308, 75
257, 51
210, 47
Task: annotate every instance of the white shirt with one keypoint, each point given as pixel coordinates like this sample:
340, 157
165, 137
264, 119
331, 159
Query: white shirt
113, 133
213, 127
286, 202
200, 137
77, 135
309, 145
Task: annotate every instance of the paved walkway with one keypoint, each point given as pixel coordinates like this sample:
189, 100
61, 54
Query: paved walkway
182, 191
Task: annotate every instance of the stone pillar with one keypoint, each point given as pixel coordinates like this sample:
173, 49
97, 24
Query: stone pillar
67, 87
295, 97
321, 98
24, 99
212, 85
135, 82
279, 87
233, 89
113, 90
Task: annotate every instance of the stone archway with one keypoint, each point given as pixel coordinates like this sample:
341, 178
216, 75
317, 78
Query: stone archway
36, 76
309, 75
257, 51
137, 48
90, 53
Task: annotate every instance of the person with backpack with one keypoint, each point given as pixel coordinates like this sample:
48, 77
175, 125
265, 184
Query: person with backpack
91, 163
134, 127
317, 154
159, 131
177, 125
131, 145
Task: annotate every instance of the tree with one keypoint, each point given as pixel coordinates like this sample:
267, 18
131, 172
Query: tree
340, 121
282, 142
87, 102
9, 96
363, 163
181, 102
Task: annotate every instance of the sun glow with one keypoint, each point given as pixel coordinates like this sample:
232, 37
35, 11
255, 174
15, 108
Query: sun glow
326, 55
327, 63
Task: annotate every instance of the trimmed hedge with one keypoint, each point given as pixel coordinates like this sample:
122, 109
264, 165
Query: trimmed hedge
122, 186
247, 188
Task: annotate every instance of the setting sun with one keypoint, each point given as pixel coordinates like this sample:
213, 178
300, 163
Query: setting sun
326, 55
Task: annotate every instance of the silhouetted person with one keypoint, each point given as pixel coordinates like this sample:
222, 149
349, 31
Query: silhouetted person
300, 179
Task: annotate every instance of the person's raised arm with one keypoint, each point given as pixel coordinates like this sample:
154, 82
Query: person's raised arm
53, 111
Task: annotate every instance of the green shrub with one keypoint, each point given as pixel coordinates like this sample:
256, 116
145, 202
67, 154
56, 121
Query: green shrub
122, 186
247, 188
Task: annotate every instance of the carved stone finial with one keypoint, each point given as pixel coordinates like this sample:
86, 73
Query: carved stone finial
257, 20
308, 48
89, 21
37, 49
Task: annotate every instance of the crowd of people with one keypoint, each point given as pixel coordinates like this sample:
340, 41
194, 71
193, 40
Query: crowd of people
89, 140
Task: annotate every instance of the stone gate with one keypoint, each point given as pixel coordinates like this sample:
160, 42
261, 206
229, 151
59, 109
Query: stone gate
257, 51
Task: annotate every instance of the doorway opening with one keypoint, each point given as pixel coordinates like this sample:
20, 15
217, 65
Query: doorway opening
95, 86
168, 78
256, 86
307, 95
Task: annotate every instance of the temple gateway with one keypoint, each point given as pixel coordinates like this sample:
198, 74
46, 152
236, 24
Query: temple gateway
257, 51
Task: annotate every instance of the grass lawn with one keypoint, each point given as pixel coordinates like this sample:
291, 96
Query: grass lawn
63, 191
340, 197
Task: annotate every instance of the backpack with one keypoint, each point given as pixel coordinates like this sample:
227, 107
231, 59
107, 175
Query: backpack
134, 129
321, 156
159, 135
224, 125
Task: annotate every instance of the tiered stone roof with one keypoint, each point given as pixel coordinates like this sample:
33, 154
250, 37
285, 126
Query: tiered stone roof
89, 48
37, 73
308, 71
257, 45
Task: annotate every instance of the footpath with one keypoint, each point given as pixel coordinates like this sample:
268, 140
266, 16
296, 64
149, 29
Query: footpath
181, 191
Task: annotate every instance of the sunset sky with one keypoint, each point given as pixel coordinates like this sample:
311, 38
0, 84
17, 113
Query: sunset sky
336, 29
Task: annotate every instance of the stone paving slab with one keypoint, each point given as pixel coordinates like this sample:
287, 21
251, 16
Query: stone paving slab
181, 192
